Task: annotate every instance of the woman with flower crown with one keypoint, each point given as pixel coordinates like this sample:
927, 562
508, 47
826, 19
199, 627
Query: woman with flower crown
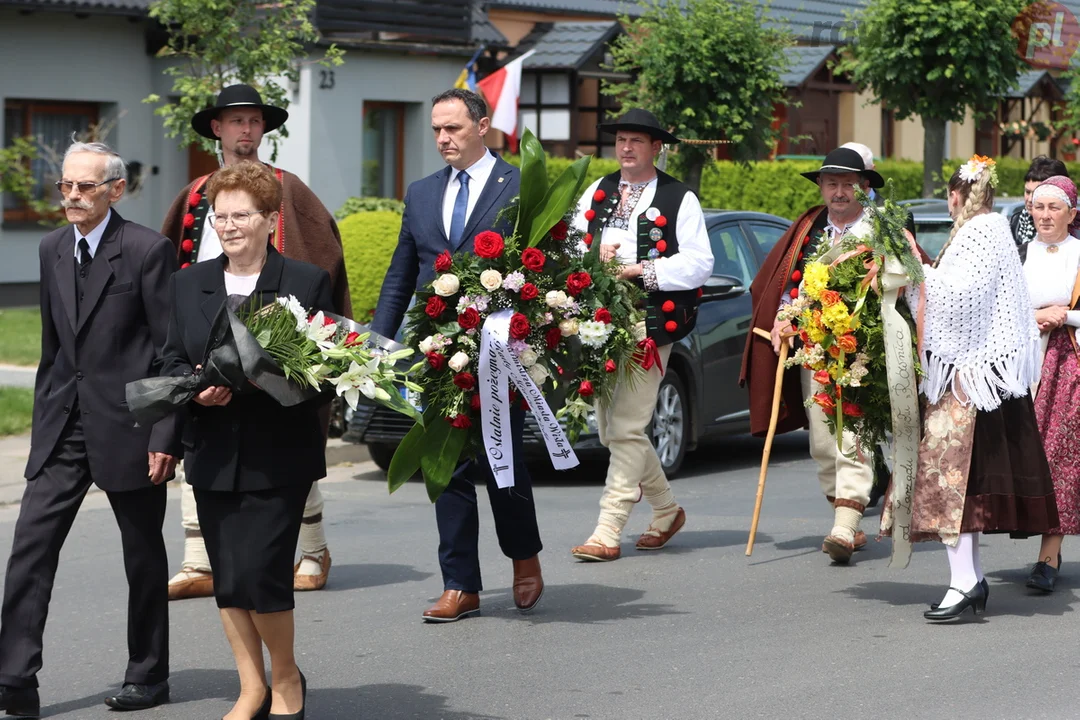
981, 465
1052, 269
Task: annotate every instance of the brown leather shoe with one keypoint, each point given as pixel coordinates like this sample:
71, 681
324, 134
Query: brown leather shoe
595, 552
839, 549
528, 583
312, 582
453, 605
860, 542
649, 541
190, 583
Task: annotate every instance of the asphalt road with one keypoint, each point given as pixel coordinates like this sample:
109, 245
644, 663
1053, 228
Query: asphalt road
697, 630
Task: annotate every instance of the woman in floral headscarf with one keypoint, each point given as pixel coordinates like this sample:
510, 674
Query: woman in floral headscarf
1052, 269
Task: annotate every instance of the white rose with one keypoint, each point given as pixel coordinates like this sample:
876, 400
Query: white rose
568, 327
555, 298
459, 361
538, 373
446, 284
639, 331
528, 358
427, 344
491, 279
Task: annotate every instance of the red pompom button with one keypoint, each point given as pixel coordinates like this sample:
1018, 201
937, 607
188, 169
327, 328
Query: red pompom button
185, 265
590, 214
700, 292
661, 246
588, 239
187, 245
194, 199
671, 326
660, 221
189, 221
806, 240
668, 306
794, 293
796, 276
599, 196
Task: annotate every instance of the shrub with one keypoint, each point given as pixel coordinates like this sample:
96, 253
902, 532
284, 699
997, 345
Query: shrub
368, 204
369, 239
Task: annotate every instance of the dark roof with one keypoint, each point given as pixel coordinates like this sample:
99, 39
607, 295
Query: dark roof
483, 32
803, 62
96, 7
609, 8
569, 44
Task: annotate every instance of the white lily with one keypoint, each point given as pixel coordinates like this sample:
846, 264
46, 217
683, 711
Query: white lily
357, 379
317, 331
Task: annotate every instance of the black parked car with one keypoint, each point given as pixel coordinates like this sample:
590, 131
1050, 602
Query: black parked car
699, 397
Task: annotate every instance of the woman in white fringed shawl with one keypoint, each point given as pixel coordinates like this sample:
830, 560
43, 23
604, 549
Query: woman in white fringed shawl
982, 468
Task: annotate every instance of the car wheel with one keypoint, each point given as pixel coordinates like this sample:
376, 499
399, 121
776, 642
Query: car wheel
670, 427
382, 454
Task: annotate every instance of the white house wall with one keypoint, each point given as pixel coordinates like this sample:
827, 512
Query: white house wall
103, 60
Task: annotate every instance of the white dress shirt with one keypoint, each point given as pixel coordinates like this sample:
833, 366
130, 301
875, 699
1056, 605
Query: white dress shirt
210, 243
687, 269
1051, 275
93, 238
479, 172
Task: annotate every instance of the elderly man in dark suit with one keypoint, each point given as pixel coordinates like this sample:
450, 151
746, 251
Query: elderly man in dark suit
445, 211
104, 317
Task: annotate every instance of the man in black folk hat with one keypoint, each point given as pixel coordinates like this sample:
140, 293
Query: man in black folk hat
846, 480
305, 231
654, 226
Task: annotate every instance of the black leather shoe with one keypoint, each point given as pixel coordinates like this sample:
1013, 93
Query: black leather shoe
986, 591
135, 696
263, 713
975, 598
1043, 577
295, 715
20, 702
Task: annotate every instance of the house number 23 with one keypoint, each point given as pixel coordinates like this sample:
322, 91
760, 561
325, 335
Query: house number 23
326, 79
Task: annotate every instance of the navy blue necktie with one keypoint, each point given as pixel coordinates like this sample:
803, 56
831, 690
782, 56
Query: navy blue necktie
461, 209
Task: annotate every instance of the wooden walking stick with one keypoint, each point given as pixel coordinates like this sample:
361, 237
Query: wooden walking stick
777, 387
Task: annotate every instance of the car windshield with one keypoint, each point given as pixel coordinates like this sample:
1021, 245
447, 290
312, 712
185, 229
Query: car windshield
932, 234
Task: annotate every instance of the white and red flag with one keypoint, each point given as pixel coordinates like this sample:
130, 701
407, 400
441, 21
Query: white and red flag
501, 89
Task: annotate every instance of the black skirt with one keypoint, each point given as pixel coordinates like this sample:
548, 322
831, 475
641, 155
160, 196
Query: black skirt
251, 541
1009, 485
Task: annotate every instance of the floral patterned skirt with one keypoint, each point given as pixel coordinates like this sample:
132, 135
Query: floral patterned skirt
1056, 410
980, 472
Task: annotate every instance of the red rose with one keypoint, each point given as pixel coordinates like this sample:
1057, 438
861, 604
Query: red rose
443, 262
189, 221
474, 403
460, 421
553, 338
559, 231
187, 245
585, 389
437, 361
327, 320
852, 410
435, 307
577, 282
488, 244
194, 199
533, 259
352, 339
610, 366
847, 343
519, 326
465, 381
822, 377
661, 246
825, 402
529, 291
660, 221
588, 239
185, 265
602, 315
599, 196
469, 319
590, 215
668, 306
671, 326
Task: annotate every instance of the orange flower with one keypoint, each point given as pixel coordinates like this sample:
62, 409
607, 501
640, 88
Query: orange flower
830, 297
822, 377
825, 402
834, 351
847, 343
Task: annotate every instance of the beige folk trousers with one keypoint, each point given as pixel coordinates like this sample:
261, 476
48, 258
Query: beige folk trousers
843, 477
195, 556
634, 470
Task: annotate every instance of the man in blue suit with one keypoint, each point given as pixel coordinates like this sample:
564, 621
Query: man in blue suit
445, 211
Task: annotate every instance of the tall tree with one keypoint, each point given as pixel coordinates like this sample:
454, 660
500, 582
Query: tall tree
709, 70
935, 60
217, 43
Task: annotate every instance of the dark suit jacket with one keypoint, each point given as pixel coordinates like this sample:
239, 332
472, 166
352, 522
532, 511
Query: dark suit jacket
92, 355
253, 443
423, 237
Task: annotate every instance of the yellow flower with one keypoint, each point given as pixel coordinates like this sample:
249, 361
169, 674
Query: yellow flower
837, 318
815, 279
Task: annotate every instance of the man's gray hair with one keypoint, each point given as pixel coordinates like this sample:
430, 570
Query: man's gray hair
114, 165
474, 104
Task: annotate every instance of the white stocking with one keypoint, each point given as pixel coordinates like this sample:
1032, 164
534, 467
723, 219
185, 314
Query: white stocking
963, 568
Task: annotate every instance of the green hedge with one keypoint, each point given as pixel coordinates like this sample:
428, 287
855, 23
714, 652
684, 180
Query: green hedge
369, 239
368, 204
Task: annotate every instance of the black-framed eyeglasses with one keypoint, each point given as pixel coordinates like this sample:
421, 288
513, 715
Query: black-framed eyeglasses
65, 186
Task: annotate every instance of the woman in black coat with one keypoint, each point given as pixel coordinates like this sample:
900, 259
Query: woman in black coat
250, 461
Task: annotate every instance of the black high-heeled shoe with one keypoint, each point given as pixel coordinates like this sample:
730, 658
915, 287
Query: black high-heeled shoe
295, 715
986, 591
264, 710
975, 598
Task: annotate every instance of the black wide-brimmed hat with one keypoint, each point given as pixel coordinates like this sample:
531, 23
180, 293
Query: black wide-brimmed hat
845, 160
238, 96
638, 120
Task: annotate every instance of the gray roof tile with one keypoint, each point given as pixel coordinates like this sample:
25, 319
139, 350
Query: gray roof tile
568, 44
803, 60
483, 32
610, 8
124, 7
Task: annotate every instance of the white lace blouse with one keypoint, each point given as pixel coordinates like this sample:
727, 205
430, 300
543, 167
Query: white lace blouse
1052, 275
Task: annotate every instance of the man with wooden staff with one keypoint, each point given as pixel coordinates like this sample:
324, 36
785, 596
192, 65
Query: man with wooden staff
846, 477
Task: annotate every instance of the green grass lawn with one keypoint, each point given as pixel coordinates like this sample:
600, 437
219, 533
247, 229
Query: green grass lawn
20, 336
16, 407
